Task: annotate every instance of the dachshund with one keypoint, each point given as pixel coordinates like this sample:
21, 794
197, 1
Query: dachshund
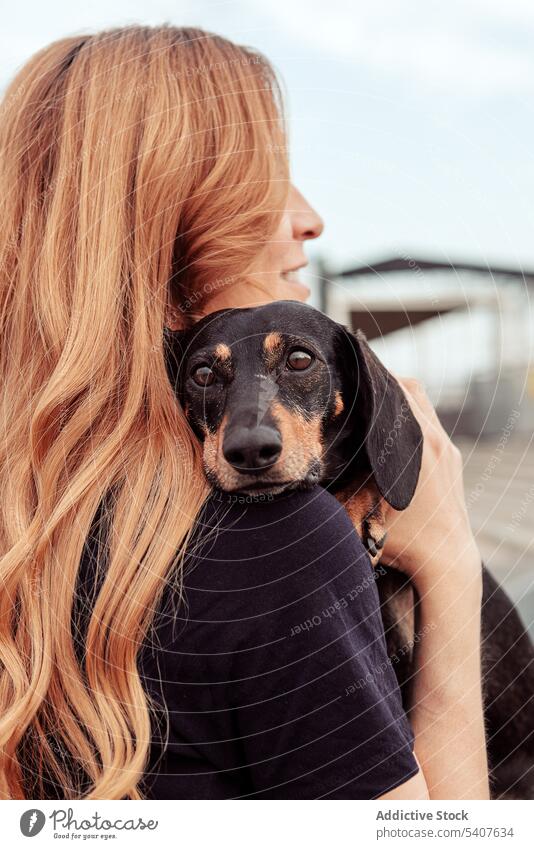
283, 397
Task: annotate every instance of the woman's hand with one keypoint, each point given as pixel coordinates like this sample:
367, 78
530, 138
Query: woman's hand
433, 534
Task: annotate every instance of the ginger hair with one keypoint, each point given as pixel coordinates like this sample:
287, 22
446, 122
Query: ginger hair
140, 167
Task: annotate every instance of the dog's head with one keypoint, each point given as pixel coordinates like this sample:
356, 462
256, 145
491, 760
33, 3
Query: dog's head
284, 397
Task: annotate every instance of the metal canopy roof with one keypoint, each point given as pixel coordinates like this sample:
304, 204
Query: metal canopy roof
378, 317
409, 263
379, 322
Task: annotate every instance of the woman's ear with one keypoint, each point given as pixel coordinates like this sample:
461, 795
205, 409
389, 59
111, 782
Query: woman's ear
393, 438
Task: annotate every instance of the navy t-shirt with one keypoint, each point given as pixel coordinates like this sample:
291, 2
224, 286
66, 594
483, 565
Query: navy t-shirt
273, 668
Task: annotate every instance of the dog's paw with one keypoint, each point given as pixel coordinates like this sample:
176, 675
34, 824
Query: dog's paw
373, 537
366, 509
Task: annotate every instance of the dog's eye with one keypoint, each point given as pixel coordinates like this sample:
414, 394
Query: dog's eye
299, 360
203, 375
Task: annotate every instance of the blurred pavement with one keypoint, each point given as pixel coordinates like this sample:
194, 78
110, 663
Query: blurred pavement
499, 488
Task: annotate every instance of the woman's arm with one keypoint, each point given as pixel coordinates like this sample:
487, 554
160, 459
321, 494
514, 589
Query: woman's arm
415, 788
447, 713
433, 543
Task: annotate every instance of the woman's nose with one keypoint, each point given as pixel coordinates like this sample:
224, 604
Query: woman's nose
306, 222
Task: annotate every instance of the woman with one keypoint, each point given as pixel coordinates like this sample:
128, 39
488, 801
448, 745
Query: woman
144, 182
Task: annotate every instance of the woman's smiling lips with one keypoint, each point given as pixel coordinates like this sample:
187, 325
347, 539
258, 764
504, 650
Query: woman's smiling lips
291, 274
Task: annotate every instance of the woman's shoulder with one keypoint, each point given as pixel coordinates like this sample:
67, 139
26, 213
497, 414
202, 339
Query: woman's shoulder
274, 561
291, 516
281, 617
302, 528
258, 572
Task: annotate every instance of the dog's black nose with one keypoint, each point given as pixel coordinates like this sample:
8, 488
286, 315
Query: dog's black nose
251, 450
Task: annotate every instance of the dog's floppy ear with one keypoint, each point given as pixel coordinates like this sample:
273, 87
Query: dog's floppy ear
174, 348
393, 437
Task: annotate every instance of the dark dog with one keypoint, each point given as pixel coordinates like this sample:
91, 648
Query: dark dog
283, 397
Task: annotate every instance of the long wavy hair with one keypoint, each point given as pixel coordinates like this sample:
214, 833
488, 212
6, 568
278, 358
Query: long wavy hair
140, 168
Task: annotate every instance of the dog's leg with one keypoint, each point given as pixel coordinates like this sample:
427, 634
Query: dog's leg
508, 667
508, 676
398, 606
366, 509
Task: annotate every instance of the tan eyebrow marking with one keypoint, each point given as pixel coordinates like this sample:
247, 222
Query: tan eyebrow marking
222, 351
272, 341
272, 345
339, 405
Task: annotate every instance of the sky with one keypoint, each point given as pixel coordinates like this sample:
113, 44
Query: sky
411, 132
411, 124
